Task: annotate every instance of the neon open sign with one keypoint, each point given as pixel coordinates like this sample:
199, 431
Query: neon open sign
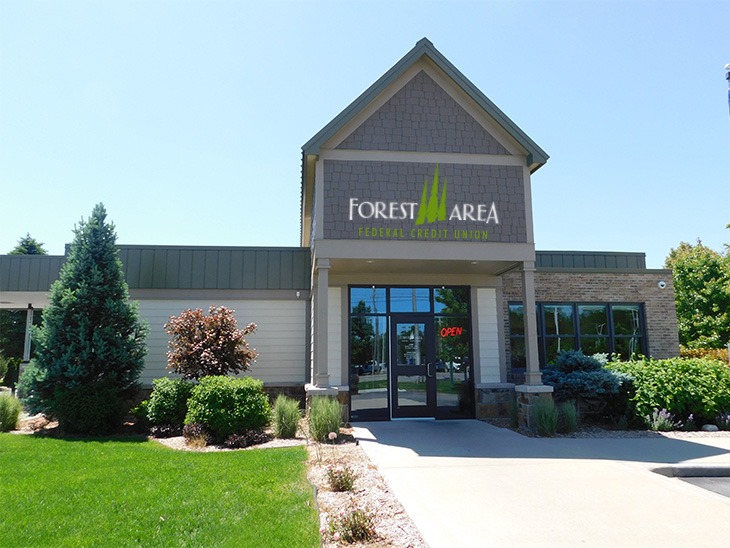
451, 331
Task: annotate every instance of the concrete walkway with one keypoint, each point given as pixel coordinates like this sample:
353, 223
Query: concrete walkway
467, 483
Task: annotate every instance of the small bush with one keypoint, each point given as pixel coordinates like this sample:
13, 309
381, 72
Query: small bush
682, 386
32, 376
567, 417
325, 416
661, 421
353, 525
11, 375
719, 354
286, 416
196, 435
246, 439
168, 403
546, 417
723, 421
341, 478
228, 405
10, 409
90, 409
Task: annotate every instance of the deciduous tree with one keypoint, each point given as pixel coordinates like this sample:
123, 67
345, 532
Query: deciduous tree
702, 293
202, 345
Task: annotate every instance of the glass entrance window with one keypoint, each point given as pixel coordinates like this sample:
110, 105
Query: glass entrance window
410, 352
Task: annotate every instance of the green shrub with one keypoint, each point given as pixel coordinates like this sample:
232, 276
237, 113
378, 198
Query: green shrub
325, 416
93, 409
353, 525
681, 386
11, 375
10, 409
596, 389
286, 416
567, 417
168, 403
546, 416
31, 399
341, 478
228, 405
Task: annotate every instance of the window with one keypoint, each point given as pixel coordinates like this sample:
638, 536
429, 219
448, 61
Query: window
593, 328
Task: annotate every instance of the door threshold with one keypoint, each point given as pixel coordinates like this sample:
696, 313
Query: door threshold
413, 419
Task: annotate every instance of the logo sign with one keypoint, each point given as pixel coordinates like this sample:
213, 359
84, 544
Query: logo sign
432, 209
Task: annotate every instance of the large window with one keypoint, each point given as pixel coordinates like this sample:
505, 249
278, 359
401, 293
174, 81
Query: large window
593, 328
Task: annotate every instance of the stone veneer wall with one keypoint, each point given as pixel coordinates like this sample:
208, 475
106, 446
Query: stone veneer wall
607, 287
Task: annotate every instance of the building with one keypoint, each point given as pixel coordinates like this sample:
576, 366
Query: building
417, 262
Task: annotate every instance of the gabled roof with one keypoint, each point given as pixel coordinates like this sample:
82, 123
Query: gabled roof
536, 157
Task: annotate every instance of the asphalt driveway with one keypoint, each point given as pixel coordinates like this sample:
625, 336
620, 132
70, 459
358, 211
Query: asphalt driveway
468, 483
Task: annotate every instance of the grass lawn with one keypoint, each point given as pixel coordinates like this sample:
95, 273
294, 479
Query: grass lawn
137, 493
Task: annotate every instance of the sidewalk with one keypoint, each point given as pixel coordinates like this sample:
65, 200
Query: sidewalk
467, 483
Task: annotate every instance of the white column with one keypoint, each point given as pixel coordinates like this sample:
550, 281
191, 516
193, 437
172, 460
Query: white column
532, 375
28, 328
321, 374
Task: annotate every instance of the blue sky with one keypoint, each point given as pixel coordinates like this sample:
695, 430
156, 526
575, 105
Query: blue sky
186, 119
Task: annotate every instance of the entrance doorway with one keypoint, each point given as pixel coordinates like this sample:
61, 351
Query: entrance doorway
410, 353
412, 366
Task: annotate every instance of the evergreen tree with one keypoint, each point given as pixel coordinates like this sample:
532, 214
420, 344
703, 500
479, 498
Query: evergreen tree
90, 346
28, 245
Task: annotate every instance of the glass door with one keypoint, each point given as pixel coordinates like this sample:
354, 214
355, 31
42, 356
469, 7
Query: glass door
412, 367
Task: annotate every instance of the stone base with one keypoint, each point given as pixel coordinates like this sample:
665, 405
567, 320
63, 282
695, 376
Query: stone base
495, 400
527, 397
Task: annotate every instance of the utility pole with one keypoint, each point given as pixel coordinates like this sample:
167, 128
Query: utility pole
727, 77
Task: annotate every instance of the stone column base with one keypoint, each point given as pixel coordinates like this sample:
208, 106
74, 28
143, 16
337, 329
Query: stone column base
527, 396
495, 400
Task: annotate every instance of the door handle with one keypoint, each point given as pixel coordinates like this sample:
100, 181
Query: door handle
428, 370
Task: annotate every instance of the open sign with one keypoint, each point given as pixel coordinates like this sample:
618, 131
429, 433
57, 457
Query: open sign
451, 331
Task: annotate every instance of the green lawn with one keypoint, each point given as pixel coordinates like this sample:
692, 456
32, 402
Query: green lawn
137, 493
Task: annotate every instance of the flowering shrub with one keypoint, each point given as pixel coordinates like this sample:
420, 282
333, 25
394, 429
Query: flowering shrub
202, 345
662, 421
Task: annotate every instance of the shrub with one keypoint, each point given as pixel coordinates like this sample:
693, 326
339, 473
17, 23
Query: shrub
228, 405
325, 416
10, 409
248, 438
93, 409
682, 386
168, 403
31, 377
286, 416
11, 375
546, 417
661, 421
196, 435
206, 345
567, 417
719, 354
341, 478
596, 389
353, 525
723, 421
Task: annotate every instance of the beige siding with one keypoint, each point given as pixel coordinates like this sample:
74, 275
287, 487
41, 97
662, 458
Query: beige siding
280, 338
488, 358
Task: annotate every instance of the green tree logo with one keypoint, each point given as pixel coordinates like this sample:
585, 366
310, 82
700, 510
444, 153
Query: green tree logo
431, 208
